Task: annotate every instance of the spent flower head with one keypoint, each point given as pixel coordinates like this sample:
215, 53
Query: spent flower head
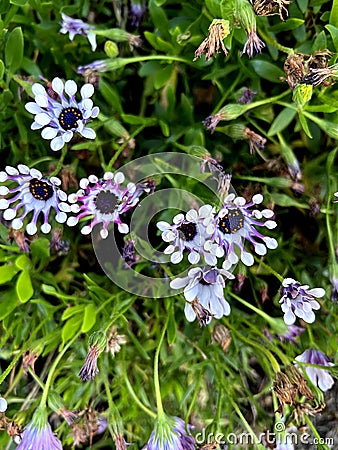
218, 30
77, 26
298, 300
32, 194
61, 117
236, 223
204, 293
96, 345
103, 201
39, 435
319, 377
170, 433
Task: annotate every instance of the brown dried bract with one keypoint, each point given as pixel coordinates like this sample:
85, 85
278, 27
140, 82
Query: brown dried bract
214, 42
294, 69
271, 7
222, 336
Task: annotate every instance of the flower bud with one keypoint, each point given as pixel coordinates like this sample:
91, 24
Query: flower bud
111, 49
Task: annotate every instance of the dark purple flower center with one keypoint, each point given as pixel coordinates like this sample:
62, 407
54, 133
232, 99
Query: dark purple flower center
106, 202
69, 117
40, 190
231, 222
188, 230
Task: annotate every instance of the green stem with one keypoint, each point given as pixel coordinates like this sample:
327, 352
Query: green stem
60, 162
160, 411
136, 399
265, 316
122, 147
270, 270
52, 369
314, 431
36, 378
269, 40
119, 63
113, 425
246, 424
10, 367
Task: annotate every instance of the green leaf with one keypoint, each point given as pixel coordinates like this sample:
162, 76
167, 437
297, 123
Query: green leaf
283, 119
163, 76
22, 262
71, 327
24, 287
159, 19
158, 43
71, 311
334, 34
172, 327
320, 42
334, 14
40, 252
7, 273
8, 302
289, 24
18, 2
138, 120
303, 5
304, 124
14, 50
2, 69
285, 200
214, 7
267, 71
89, 318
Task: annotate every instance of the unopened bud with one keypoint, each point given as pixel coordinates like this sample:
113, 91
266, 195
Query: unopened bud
111, 49
302, 94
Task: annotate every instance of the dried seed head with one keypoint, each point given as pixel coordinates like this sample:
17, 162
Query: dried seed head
294, 69
297, 379
115, 341
218, 30
285, 391
271, 7
222, 336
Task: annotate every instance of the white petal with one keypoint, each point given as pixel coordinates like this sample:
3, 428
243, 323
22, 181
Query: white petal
61, 217
179, 283
41, 100
247, 259
86, 230
176, 257
45, 228
57, 143
49, 133
189, 312
4, 190
191, 215
67, 136
35, 173
33, 108
87, 90
3, 176
240, 201
72, 221
95, 112
119, 178
178, 218
123, 228
317, 292
17, 224
92, 40
31, 228
88, 133
270, 224
87, 104
104, 233
93, 179
9, 214
169, 250
57, 85
162, 225
257, 199
289, 317
23, 169
70, 87
325, 381
42, 119
260, 249
271, 243
193, 257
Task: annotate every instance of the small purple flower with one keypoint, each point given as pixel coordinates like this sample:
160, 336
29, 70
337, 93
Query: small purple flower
136, 10
33, 194
96, 345
204, 294
234, 224
292, 333
299, 301
253, 45
170, 434
188, 232
103, 201
96, 66
38, 434
60, 118
319, 377
77, 26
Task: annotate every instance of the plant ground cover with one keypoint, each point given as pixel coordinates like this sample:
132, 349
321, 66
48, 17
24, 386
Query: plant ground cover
168, 226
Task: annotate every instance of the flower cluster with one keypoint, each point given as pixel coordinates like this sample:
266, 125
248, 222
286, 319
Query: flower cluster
208, 236
299, 301
60, 117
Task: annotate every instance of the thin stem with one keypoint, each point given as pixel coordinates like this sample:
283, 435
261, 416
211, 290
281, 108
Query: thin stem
60, 162
246, 424
52, 369
136, 399
160, 411
269, 269
122, 147
269, 40
10, 367
36, 378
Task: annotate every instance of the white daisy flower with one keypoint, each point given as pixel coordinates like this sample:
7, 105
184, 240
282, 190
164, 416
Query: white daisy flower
103, 201
33, 194
188, 232
77, 26
60, 117
299, 301
234, 224
204, 293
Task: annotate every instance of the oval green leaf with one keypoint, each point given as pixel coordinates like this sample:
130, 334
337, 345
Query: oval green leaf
14, 50
24, 288
89, 318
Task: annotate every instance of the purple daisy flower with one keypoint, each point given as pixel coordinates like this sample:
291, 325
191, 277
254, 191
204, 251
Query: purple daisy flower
103, 201
60, 118
38, 434
77, 26
204, 293
319, 377
299, 301
188, 232
170, 434
234, 224
33, 193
